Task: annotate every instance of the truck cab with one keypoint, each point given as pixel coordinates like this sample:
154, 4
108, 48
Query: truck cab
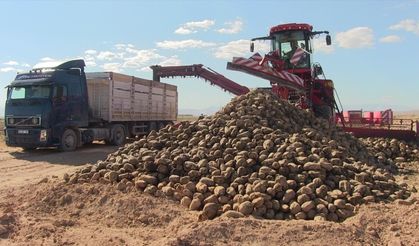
43, 103
65, 107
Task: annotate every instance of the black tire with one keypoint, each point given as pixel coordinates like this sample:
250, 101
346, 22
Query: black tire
68, 140
161, 125
324, 112
153, 126
118, 135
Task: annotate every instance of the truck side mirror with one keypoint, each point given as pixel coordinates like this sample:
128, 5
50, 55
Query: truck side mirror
252, 47
328, 39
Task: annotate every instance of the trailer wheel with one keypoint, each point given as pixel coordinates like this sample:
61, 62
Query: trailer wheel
160, 125
118, 135
153, 126
68, 140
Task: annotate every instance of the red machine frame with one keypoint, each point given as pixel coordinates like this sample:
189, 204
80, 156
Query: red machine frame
302, 85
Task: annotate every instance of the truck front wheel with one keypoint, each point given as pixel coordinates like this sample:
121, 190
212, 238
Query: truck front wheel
68, 140
118, 135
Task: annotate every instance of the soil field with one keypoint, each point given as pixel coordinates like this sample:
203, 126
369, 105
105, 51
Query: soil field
38, 208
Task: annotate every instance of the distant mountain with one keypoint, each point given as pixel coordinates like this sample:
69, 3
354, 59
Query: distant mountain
416, 112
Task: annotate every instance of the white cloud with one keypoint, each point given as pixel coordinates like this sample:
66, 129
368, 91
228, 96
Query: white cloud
90, 52
183, 31
47, 59
357, 37
112, 67
120, 46
319, 45
126, 57
107, 55
390, 39
408, 25
232, 27
166, 61
144, 69
26, 65
189, 43
120, 57
240, 48
7, 69
170, 61
193, 26
48, 62
89, 58
132, 50
140, 58
90, 61
11, 63
123, 46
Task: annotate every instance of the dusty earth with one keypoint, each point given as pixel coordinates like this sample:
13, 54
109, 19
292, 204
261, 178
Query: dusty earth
37, 208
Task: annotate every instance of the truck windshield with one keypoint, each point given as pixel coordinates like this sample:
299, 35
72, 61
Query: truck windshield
28, 92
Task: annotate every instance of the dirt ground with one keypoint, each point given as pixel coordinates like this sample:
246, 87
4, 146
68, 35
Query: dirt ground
37, 208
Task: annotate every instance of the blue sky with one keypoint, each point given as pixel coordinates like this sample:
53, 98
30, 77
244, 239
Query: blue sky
373, 60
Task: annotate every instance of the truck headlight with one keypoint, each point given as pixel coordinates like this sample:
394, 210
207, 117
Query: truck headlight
43, 136
10, 121
35, 121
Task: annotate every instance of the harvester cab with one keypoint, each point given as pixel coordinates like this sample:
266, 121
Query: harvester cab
291, 45
293, 75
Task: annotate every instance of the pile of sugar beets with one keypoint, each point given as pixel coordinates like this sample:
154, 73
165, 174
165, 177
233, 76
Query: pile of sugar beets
258, 156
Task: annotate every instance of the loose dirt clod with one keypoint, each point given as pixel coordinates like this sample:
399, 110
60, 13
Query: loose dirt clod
257, 156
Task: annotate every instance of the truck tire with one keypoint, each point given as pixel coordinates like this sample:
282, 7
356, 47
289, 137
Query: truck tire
160, 125
153, 126
68, 140
118, 135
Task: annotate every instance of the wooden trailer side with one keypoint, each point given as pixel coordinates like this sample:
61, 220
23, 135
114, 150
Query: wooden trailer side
115, 97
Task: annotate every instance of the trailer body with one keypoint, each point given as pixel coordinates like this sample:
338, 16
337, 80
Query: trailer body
115, 97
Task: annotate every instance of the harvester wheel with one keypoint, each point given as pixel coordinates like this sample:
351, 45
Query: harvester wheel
323, 111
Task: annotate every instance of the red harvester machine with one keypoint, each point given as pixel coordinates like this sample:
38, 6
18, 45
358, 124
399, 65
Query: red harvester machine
295, 77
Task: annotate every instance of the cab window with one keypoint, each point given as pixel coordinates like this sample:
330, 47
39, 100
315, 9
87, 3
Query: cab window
60, 92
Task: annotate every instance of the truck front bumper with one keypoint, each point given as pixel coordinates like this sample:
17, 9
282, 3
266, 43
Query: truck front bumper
28, 137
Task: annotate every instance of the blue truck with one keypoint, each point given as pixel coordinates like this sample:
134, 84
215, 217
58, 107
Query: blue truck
65, 107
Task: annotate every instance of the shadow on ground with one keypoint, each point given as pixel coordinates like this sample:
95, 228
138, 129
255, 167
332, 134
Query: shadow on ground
83, 155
